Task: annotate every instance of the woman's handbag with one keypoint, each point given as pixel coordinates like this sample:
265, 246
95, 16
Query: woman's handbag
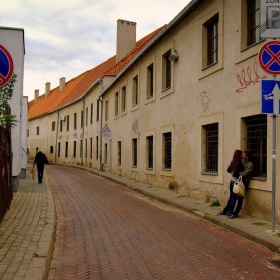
239, 188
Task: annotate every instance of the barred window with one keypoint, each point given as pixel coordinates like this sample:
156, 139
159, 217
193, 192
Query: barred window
211, 147
257, 142
150, 152
74, 148
167, 150
105, 152
119, 152
134, 152
66, 149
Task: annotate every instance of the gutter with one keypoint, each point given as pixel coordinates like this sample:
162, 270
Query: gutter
101, 125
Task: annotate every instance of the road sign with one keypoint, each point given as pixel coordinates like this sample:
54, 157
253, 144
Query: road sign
269, 57
106, 131
270, 19
6, 66
270, 96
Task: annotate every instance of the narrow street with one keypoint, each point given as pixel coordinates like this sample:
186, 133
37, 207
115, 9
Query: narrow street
105, 231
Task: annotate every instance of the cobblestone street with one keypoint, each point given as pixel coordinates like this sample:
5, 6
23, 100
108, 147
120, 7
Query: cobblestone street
105, 231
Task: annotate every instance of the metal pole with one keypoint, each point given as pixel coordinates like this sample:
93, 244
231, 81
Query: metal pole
273, 171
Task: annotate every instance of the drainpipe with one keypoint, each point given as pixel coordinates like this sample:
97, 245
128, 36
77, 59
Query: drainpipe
55, 154
83, 131
101, 124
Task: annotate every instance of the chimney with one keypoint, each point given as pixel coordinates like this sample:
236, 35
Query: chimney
126, 38
47, 89
36, 94
61, 84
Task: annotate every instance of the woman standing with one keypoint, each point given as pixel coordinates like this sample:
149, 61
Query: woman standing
234, 168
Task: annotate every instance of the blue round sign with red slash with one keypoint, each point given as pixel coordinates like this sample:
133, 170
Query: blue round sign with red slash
6, 66
269, 57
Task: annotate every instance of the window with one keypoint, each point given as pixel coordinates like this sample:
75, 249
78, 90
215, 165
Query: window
212, 40
116, 103
91, 113
97, 147
166, 71
256, 130
82, 119
119, 152
27, 133
134, 152
97, 110
150, 81
150, 152
74, 148
53, 126
75, 120
67, 123
105, 152
58, 152
167, 150
51, 149
86, 116
37, 130
253, 23
210, 141
81, 148
106, 110
60, 125
123, 101
90, 149
135, 91
86, 149
66, 149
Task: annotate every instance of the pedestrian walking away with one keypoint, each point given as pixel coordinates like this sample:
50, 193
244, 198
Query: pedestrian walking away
234, 169
40, 160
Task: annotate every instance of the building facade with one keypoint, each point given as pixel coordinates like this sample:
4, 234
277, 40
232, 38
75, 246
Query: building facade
12, 39
172, 114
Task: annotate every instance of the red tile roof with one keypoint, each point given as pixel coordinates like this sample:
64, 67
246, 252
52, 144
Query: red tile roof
77, 86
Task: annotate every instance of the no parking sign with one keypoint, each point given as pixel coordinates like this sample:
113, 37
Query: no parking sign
269, 57
6, 66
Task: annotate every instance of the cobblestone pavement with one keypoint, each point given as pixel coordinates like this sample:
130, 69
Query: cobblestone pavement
105, 231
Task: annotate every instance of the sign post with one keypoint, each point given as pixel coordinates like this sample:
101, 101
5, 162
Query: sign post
269, 18
270, 96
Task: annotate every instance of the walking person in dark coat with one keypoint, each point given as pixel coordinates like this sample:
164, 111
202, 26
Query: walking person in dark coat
40, 160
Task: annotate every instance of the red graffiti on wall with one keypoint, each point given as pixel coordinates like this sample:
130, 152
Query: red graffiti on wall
205, 101
248, 77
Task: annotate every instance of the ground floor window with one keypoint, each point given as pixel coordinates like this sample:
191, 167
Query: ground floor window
256, 135
119, 152
167, 150
150, 152
134, 152
210, 141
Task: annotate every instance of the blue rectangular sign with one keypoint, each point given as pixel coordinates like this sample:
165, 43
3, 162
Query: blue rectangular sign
270, 96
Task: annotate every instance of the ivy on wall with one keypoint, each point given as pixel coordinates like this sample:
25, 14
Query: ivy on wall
7, 120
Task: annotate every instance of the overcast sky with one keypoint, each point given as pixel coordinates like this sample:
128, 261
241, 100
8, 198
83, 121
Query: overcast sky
65, 38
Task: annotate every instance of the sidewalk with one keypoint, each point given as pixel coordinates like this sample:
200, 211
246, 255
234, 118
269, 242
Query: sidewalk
27, 232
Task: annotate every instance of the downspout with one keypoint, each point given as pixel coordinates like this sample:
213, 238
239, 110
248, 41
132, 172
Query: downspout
55, 154
83, 131
101, 125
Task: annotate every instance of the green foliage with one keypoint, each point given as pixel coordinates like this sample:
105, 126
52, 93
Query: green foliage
7, 121
215, 203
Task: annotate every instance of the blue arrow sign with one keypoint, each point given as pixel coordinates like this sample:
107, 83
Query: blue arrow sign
270, 96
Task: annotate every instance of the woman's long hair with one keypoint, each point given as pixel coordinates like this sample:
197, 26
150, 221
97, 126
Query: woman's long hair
236, 158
